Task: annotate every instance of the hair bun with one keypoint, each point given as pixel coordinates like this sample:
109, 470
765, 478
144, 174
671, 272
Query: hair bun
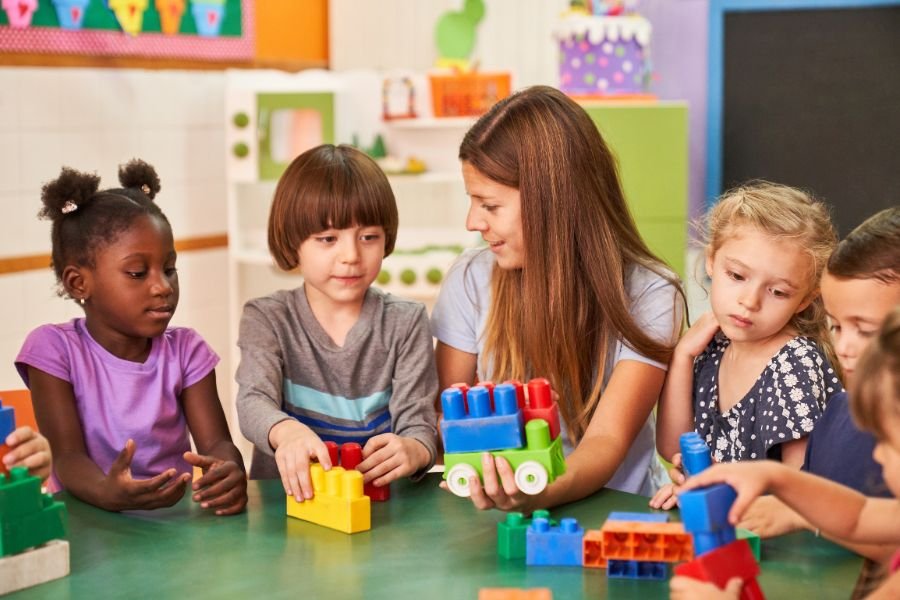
140, 175
71, 189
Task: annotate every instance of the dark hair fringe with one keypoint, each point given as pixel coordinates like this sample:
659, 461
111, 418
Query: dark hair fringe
71, 186
136, 174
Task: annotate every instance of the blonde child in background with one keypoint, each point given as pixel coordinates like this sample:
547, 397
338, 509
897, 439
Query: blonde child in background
28, 448
118, 391
837, 510
335, 359
751, 376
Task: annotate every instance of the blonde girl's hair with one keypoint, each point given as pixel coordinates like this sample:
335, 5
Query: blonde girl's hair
786, 214
560, 314
876, 391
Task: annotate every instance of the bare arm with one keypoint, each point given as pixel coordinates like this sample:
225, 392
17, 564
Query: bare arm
58, 419
838, 511
675, 414
223, 486
453, 366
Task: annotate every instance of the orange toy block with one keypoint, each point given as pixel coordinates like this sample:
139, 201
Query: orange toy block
593, 549
339, 502
514, 594
646, 541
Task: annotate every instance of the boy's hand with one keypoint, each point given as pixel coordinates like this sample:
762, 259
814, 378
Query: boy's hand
30, 449
222, 487
697, 338
127, 493
681, 587
387, 457
295, 444
750, 479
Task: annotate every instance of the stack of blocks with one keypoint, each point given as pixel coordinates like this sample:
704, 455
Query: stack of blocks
31, 524
637, 546
338, 502
720, 556
488, 418
511, 533
349, 456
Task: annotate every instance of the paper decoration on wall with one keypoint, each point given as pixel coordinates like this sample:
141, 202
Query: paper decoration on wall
455, 34
212, 30
129, 13
398, 98
20, 12
170, 13
70, 13
208, 15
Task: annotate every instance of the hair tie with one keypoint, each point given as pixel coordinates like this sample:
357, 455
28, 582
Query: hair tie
146, 189
68, 207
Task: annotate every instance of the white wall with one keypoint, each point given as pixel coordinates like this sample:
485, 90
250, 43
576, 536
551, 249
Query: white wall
93, 120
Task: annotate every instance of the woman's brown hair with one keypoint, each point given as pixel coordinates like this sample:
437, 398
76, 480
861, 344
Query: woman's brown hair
561, 313
329, 187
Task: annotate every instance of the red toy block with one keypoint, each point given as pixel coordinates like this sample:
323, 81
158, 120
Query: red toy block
541, 405
593, 549
721, 564
349, 456
646, 541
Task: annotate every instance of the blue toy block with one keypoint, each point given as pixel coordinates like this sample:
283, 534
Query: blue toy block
481, 429
7, 421
695, 454
705, 510
637, 569
547, 545
645, 517
706, 541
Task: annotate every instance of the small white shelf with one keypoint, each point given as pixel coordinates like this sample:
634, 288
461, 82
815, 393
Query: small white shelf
427, 177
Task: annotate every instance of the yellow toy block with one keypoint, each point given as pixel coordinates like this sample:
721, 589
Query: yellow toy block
338, 503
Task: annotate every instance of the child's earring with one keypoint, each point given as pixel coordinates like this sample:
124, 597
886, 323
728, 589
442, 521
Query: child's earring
81, 301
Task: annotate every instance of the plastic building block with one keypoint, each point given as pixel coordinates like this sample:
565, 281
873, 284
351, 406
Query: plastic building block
592, 550
723, 563
753, 540
704, 541
706, 509
646, 541
511, 533
7, 426
481, 428
351, 456
637, 569
695, 454
514, 594
40, 565
28, 518
541, 405
549, 545
339, 502
536, 465
631, 516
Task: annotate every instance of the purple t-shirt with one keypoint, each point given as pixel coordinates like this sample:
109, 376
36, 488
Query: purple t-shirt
119, 399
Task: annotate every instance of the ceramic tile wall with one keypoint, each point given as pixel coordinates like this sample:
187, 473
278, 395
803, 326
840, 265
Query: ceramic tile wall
95, 119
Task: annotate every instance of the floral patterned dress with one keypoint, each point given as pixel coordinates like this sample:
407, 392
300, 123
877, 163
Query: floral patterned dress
783, 405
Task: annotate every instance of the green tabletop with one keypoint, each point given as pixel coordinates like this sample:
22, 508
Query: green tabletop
424, 543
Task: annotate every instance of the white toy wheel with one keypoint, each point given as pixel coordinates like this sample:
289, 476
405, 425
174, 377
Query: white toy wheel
458, 479
531, 477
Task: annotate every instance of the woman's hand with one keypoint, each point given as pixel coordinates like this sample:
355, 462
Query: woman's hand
499, 489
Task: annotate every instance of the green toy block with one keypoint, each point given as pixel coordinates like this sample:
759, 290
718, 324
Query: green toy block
28, 518
752, 539
511, 533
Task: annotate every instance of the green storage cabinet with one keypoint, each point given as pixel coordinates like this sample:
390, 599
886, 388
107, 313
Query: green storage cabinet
651, 145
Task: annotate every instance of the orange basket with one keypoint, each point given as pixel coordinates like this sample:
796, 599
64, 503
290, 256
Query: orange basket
467, 94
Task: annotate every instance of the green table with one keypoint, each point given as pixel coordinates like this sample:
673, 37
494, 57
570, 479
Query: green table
425, 543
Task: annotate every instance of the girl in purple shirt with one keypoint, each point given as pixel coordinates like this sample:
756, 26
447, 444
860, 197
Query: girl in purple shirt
116, 392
